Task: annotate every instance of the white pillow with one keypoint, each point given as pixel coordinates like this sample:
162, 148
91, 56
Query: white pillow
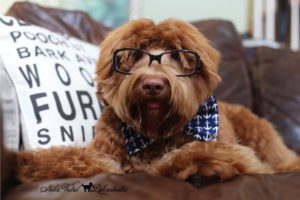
10, 114
53, 77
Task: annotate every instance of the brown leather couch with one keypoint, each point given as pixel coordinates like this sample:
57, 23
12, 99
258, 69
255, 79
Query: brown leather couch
262, 79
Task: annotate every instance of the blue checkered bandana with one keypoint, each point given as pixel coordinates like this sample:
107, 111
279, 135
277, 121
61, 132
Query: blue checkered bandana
203, 127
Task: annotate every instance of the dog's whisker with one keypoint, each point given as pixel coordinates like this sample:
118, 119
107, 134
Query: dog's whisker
139, 115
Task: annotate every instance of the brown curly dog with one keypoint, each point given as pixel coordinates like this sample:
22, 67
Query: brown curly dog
160, 117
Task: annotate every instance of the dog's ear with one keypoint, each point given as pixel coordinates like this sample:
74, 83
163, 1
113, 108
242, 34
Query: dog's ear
210, 59
186, 36
128, 35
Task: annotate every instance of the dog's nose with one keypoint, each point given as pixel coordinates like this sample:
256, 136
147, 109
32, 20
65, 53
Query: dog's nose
153, 85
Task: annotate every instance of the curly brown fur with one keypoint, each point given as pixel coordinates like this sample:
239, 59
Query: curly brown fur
245, 144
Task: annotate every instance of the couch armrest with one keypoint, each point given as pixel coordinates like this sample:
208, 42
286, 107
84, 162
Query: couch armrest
74, 23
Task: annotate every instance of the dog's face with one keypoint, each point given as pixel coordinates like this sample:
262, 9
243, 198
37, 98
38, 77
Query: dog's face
152, 99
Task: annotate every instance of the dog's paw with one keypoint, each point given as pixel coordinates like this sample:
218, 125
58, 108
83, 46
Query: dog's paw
209, 169
198, 180
218, 169
223, 161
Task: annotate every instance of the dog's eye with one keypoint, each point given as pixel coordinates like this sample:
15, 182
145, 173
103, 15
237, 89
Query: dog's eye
123, 62
127, 58
175, 56
136, 56
187, 61
191, 60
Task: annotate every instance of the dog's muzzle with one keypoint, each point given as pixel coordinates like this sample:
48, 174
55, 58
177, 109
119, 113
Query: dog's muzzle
153, 85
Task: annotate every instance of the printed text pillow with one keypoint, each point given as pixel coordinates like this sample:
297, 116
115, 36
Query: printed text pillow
53, 78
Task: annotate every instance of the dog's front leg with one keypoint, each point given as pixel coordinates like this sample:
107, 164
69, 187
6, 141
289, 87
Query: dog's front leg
63, 162
209, 159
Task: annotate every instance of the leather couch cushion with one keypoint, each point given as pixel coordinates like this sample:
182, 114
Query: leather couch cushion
143, 186
279, 91
235, 86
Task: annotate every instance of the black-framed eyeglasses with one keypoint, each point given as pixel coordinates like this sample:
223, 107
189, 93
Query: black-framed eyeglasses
125, 58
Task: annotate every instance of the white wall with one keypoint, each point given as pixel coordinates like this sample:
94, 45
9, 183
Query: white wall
188, 10
6, 4
193, 10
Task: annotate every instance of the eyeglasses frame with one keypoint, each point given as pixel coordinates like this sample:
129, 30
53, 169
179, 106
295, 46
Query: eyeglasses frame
158, 59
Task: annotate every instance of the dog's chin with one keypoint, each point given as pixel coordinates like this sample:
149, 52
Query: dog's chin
150, 117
